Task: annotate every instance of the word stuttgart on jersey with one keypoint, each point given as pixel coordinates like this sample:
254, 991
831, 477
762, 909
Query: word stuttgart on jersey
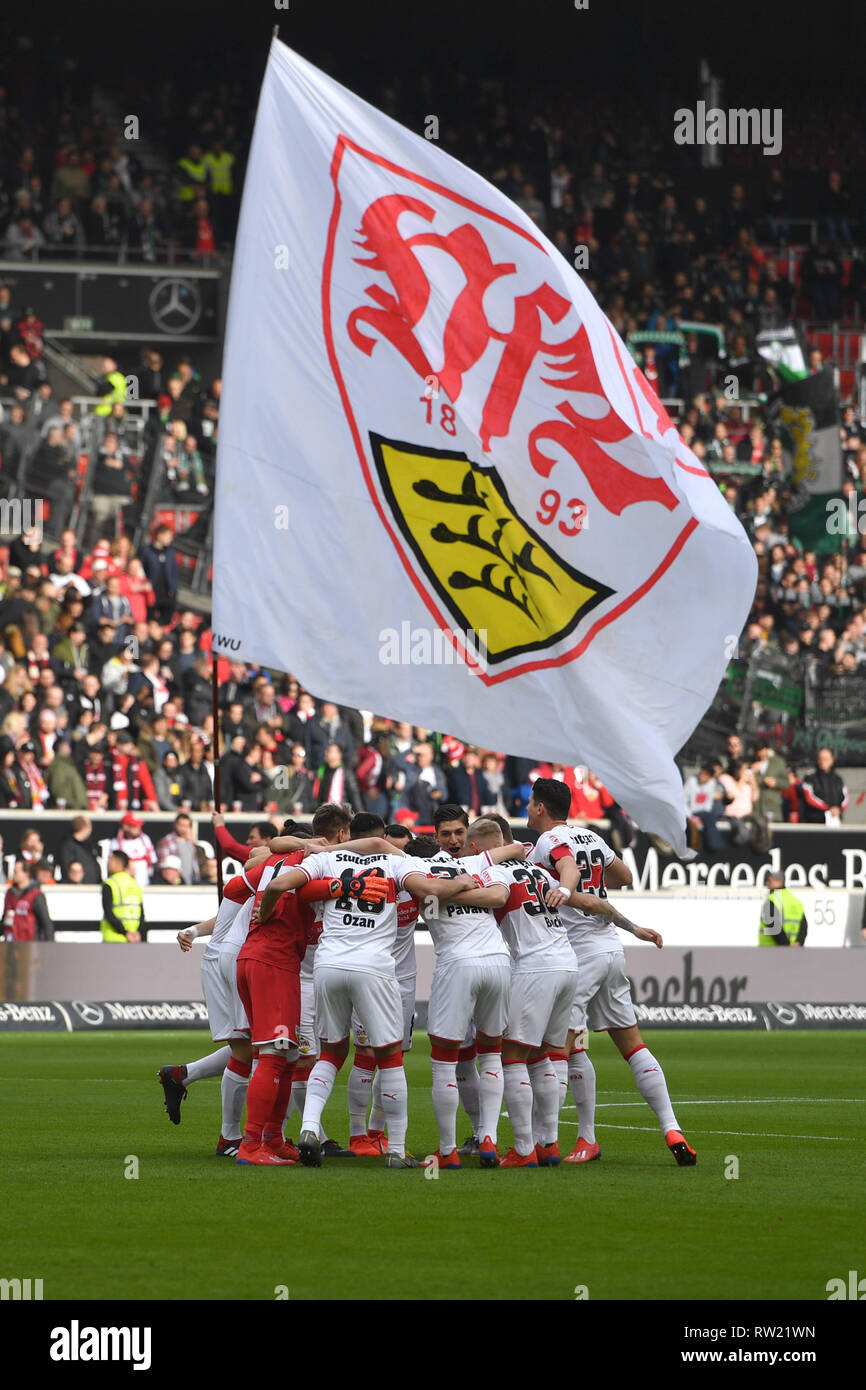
76, 1343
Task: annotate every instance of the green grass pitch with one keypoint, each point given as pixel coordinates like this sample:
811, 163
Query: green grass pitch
788, 1107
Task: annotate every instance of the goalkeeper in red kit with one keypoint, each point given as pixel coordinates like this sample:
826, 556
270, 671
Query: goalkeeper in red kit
268, 974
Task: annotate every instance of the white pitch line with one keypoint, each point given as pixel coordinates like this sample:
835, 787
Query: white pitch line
764, 1100
739, 1133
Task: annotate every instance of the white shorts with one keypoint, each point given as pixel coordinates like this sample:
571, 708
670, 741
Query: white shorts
374, 998
308, 1040
477, 988
219, 982
540, 1009
407, 1001
602, 998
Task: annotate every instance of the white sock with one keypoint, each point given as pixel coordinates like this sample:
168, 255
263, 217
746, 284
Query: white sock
296, 1102
214, 1064
234, 1094
320, 1084
395, 1103
545, 1091
650, 1081
467, 1086
518, 1102
581, 1079
298, 1096
491, 1084
445, 1102
377, 1114
560, 1066
359, 1088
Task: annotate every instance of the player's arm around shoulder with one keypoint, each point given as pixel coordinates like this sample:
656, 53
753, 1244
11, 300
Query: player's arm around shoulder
492, 890
283, 883
617, 874
421, 885
501, 854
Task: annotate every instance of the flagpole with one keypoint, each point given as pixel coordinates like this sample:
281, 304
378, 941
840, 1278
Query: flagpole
216, 765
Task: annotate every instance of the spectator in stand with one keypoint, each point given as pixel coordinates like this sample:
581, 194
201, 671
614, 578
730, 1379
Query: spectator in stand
108, 606
247, 780
77, 848
375, 772
295, 796
96, 776
836, 210
747, 826
824, 794
23, 239
821, 279
71, 181
771, 777
159, 561
704, 796
329, 728
111, 484
166, 781
32, 774
197, 690
14, 787
105, 224
25, 911
137, 846
467, 786
168, 873
138, 590
22, 374
132, 785
429, 788
301, 721
180, 843
336, 781
64, 233
196, 787
65, 784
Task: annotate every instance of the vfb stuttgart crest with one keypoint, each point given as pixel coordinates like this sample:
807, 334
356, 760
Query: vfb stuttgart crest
519, 502
490, 571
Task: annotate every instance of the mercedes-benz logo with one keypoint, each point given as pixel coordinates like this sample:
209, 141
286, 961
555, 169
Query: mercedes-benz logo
88, 1013
175, 305
784, 1013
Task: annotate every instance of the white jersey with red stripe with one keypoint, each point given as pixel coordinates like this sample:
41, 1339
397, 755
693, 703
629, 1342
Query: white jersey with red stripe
536, 937
356, 934
460, 931
588, 935
309, 960
404, 946
232, 922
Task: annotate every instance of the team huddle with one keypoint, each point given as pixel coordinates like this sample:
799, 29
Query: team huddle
315, 941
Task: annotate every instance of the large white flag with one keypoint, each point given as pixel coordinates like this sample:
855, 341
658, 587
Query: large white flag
445, 491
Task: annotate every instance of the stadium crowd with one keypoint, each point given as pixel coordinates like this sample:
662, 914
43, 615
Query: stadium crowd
105, 693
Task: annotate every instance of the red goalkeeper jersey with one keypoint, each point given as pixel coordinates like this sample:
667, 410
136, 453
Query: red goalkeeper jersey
282, 940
